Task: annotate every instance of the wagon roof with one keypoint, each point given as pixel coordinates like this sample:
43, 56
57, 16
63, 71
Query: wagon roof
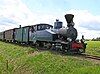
37, 25
30, 26
10, 29
25, 26
42, 24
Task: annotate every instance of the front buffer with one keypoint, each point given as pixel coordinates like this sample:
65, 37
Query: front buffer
78, 47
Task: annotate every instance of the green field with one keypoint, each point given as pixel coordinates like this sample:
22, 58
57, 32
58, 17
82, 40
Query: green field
93, 47
15, 59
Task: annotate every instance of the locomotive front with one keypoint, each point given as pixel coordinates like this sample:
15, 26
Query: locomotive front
68, 36
70, 33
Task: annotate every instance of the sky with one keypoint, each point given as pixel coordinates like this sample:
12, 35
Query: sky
29, 12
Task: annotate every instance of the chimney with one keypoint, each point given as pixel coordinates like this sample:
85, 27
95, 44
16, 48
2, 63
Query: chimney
69, 19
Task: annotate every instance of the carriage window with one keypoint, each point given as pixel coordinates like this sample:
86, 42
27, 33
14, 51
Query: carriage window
32, 29
51, 27
47, 27
39, 27
43, 27
35, 28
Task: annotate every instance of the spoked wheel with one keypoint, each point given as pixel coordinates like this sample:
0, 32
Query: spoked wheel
37, 45
47, 45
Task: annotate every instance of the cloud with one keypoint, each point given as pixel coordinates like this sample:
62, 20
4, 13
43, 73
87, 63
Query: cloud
7, 21
91, 25
14, 13
85, 19
86, 23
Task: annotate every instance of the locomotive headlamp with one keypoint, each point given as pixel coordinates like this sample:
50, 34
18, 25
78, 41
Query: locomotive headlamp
81, 50
69, 39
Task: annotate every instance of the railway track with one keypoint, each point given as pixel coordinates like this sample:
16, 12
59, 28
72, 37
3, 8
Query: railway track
91, 56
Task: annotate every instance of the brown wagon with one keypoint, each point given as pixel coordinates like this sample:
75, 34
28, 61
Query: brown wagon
10, 35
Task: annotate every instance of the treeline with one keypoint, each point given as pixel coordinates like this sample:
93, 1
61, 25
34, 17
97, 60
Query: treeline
96, 39
87, 39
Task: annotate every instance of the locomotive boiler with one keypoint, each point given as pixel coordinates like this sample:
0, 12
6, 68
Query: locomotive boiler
70, 33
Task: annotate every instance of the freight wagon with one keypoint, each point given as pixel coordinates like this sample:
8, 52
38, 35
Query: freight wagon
9, 35
22, 34
2, 36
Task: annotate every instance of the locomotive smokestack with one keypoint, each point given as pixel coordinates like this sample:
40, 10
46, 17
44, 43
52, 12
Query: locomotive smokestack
19, 26
69, 19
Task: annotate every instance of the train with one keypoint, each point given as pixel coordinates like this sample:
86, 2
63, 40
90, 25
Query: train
47, 36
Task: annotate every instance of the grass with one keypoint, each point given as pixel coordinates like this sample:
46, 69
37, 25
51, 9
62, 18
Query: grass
93, 47
12, 57
15, 59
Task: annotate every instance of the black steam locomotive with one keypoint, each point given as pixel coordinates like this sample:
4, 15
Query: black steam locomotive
44, 35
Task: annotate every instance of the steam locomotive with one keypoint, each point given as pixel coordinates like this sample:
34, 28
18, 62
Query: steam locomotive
47, 36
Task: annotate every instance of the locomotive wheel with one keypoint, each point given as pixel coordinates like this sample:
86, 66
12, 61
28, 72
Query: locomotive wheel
80, 51
46, 45
37, 44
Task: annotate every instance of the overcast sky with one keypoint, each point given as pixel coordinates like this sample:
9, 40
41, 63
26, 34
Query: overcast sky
29, 12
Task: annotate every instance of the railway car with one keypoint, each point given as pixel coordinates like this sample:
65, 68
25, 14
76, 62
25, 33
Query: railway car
40, 32
18, 34
25, 34
1, 36
9, 35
